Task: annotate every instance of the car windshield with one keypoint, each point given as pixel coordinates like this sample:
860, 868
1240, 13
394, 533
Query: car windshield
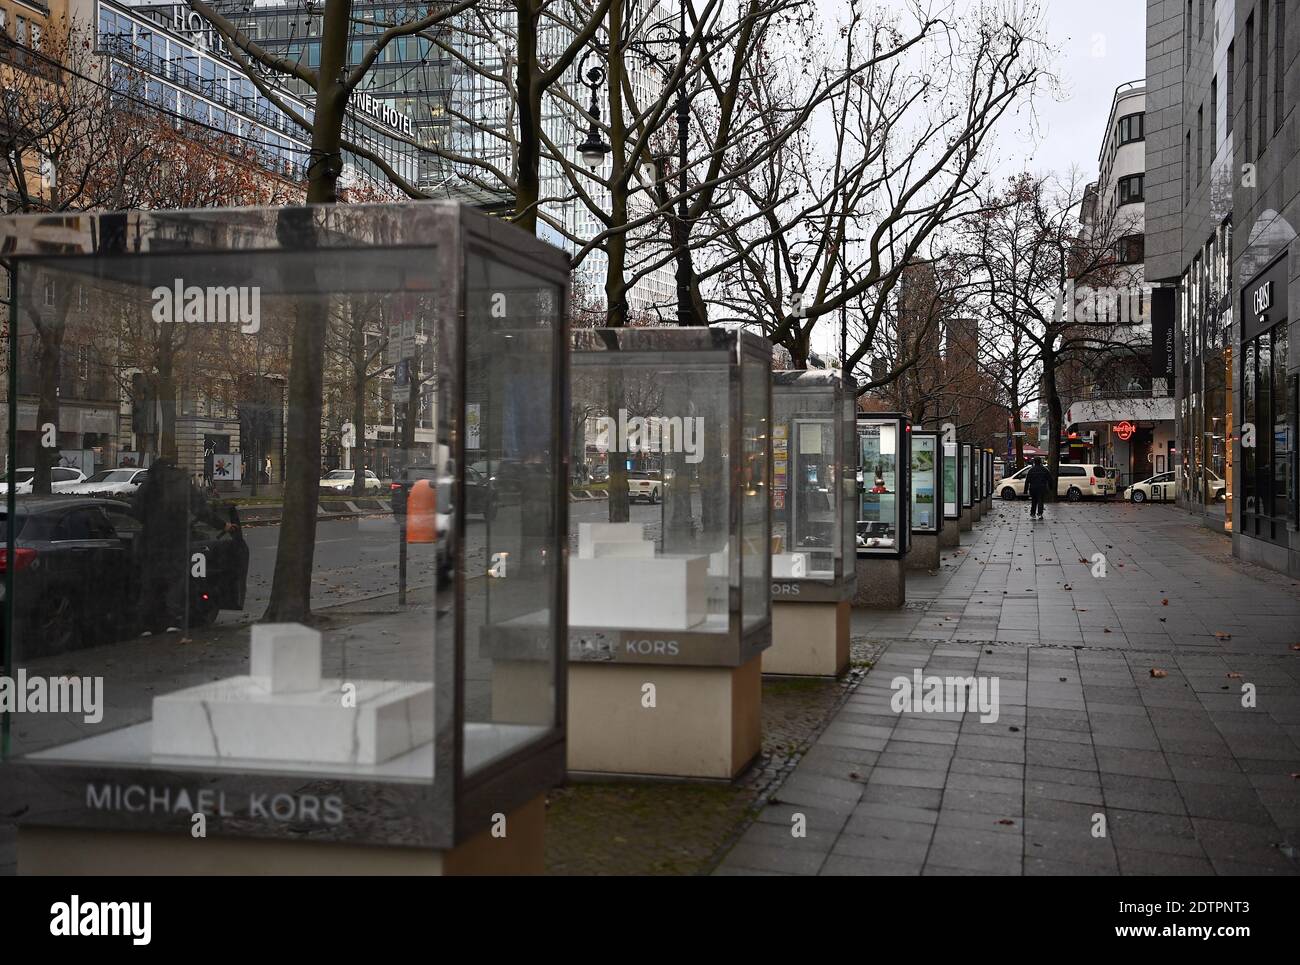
24, 475
100, 476
340, 474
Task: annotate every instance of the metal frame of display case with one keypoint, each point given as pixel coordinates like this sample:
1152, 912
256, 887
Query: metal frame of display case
989, 481
938, 481
451, 807
817, 384
903, 493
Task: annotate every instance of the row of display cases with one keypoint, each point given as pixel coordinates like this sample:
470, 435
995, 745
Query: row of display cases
414, 685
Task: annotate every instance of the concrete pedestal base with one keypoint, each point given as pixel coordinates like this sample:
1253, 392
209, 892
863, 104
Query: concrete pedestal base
65, 851
966, 521
950, 535
882, 584
706, 721
924, 554
808, 639
976, 512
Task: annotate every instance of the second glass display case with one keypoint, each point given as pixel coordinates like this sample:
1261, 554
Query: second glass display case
814, 480
927, 509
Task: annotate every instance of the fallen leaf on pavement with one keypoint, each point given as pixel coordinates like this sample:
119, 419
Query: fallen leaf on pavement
1164, 602
1220, 635
1234, 676
1157, 672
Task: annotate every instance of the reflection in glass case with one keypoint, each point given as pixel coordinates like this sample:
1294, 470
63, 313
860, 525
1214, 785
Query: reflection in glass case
814, 459
951, 481
884, 455
351, 419
674, 566
967, 475
927, 511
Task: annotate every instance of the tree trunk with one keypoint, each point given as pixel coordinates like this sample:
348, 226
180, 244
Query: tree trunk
616, 246
529, 105
295, 554
1054, 415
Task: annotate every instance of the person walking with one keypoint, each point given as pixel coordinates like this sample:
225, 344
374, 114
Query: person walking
1037, 481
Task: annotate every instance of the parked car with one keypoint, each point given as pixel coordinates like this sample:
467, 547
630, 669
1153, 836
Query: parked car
645, 485
600, 474
340, 481
1161, 487
77, 573
1074, 481
109, 482
61, 477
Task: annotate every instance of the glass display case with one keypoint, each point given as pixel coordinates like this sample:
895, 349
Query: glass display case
884, 500
988, 475
353, 419
674, 566
951, 481
967, 475
927, 509
814, 484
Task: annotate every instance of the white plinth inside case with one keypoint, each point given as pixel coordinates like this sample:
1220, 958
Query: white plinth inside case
590, 534
667, 593
285, 711
239, 717
285, 657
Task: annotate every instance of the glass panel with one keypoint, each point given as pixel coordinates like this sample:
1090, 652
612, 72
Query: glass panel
950, 508
925, 508
878, 489
1280, 428
107, 587
511, 575
1249, 485
755, 524
807, 484
660, 422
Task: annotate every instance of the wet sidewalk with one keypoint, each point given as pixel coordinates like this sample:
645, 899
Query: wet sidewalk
1124, 740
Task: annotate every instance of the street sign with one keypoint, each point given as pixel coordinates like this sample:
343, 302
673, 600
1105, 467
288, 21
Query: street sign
402, 374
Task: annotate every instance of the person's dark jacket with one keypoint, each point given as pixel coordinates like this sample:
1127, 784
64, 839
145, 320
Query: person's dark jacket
1038, 479
165, 504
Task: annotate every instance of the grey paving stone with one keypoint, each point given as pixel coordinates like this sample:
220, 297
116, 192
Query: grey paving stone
840, 864
767, 858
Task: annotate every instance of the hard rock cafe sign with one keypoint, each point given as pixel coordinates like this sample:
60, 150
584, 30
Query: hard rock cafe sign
1125, 430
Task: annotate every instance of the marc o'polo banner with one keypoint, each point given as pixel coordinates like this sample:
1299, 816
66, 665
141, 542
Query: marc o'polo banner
1162, 332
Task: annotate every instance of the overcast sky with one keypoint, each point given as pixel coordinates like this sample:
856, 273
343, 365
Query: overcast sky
1103, 45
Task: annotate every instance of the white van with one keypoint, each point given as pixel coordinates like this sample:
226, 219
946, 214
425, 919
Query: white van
1075, 481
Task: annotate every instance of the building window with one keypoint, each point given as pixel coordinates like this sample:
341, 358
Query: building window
1131, 249
1232, 66
1263, 76
1270, 472
1279, 63
1130, 189
1200, 22
1249, 113
1214, 115
1187, 39
1200, 143
20, 30
49, 294
1187, 169
1130, 128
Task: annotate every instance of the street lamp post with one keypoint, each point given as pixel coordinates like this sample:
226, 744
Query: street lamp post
594, 149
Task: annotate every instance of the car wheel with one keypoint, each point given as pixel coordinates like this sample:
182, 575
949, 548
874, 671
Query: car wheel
1074, 494
60, 622
1008, 493
1138, 496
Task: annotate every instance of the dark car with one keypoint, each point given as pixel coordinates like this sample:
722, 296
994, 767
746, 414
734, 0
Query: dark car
77, 573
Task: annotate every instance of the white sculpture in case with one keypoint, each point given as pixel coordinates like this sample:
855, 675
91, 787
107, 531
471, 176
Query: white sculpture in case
617, 581
284, 710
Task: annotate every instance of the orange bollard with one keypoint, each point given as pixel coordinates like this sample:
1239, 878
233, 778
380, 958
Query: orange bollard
421, 513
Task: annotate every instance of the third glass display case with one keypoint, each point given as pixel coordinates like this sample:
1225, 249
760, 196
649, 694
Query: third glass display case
884, 456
